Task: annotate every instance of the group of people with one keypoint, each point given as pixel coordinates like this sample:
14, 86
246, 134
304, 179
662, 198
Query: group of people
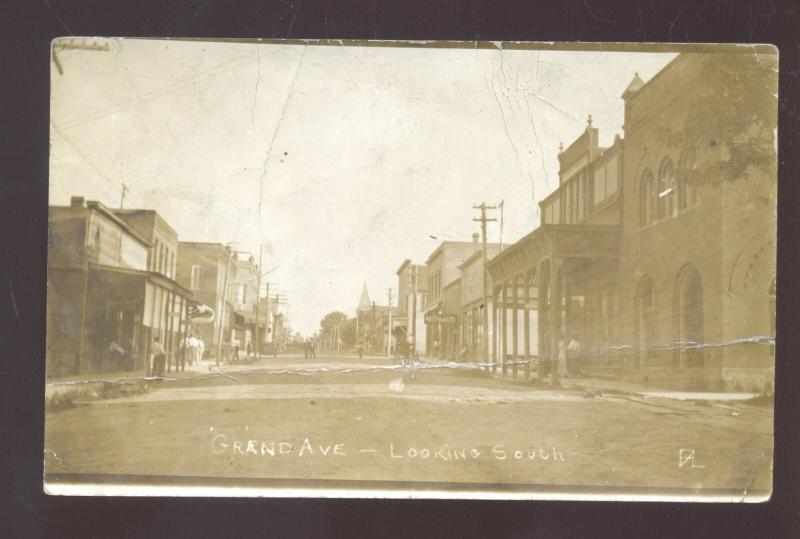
191, 352
195, 348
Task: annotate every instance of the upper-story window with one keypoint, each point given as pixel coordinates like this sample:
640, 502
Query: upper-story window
687, 192
647, 212
666, 189
197, 277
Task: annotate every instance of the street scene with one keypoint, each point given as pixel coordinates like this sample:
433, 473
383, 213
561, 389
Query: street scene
397, 270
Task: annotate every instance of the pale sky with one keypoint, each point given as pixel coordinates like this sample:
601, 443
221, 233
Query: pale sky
342, 161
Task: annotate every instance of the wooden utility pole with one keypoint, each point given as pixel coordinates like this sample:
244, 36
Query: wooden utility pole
483, 219
224, 301
413, 278
389, 343
257, 347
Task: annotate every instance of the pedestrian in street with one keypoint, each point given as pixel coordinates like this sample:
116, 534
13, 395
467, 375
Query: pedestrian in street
159, 358
249, 349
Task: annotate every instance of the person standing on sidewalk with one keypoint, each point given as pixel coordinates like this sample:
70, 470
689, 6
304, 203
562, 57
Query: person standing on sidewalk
201, 349
159, 358
562, 358
573, 356
191, 346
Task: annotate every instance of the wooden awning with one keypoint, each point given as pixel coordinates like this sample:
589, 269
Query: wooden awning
555, 241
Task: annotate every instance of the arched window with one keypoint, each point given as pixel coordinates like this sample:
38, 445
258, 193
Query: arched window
646, 194
687, 191
645, 313
666, 189
689, 318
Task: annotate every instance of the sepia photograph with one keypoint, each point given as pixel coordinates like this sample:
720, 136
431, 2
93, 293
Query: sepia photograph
395, 269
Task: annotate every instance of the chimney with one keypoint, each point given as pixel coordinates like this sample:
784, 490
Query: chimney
475, 238
76, 202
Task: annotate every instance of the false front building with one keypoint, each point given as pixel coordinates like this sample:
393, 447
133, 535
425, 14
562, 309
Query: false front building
111, 289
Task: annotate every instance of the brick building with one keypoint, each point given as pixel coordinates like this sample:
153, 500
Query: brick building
661, 280
204, 268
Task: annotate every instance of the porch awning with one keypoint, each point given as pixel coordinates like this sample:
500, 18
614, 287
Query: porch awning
241, 318
555, 241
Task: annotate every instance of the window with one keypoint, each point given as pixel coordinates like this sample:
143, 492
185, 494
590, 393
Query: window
240, 294
645, 322
666, 189
197, 277
687, 192
689, 311
646, 213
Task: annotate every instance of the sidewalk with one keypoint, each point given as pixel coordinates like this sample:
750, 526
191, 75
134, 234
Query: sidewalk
601, 385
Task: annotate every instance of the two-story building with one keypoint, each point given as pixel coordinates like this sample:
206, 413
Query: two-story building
206, 269
109, 295
442, 269
244, 294
412, 294
658, 279
172, 298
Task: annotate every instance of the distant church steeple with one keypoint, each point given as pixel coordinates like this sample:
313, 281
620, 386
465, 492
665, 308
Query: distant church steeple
364, 304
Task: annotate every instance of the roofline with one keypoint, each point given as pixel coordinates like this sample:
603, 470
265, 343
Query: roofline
442, 245
405, 263
100, 208
669, 65
455, 281
154, 212
474, 255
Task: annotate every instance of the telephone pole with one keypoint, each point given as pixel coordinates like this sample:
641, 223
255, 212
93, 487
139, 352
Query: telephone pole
389, 343
413, 277
258, 300
483, 219
224, 301
122, 199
